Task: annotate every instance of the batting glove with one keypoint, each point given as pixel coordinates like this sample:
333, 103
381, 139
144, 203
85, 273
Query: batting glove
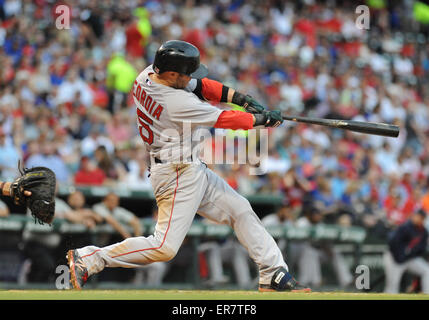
268, 119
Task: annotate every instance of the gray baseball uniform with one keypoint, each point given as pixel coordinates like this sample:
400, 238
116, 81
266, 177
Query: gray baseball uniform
183, 185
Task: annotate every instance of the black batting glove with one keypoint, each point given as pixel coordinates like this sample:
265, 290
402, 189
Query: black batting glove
268, 119
246, 101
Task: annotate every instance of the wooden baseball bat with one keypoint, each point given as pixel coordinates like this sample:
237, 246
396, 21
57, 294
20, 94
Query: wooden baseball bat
381, 129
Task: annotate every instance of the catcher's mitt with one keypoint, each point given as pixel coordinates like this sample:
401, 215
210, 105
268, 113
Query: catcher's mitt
40, 181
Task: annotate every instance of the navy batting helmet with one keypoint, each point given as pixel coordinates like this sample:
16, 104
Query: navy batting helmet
179, 56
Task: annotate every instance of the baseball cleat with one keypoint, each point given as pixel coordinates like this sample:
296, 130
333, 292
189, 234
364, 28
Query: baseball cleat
283, 281
78, 271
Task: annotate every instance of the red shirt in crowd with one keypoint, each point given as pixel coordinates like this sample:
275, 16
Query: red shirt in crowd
398, 211
95, 177
88, 174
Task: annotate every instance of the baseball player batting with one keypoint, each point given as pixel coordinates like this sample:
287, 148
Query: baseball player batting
171, 92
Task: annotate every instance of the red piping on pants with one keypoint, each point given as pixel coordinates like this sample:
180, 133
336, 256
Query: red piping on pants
165, 235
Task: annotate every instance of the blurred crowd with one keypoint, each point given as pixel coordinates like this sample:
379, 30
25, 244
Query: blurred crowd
65, 102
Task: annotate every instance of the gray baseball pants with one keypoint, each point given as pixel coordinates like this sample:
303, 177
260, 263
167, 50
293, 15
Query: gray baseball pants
394, 272
181, 191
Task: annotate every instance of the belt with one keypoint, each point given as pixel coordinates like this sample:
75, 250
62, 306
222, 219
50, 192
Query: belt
160, 161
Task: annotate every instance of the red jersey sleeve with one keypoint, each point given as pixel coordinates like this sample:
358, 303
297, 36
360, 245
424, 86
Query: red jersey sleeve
233, 119
211, 90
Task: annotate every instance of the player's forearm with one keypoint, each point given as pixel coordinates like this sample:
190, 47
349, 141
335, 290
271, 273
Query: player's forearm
118, 227
73, 216
135, 224
4, 212
232, 119
5, 188
230, 94
213, 90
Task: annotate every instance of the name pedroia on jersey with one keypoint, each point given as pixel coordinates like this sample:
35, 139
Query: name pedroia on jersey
146, 101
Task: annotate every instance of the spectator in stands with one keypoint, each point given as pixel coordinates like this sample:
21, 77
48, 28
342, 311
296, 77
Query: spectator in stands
324, 201
121, 75
9, 156
89, 173
393, 205
76, 200
313, 253
117, 216
96, 138
48, 157
283, 216
112, 171
74, 87
387, 159
407, 248
119, 129
295, 186
349, 202
82, 214
373, 218
273, 185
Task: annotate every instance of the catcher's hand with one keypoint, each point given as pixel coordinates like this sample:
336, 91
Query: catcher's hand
35, 189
